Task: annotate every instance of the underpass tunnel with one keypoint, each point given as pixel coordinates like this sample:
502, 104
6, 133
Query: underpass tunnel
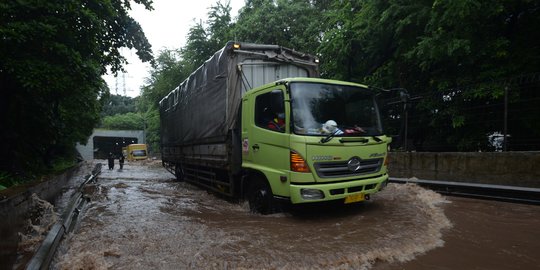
105, 145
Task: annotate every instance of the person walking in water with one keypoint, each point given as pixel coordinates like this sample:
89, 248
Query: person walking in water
121, 161
111, 160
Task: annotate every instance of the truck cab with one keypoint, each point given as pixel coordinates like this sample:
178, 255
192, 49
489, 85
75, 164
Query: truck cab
136, 152
307, 140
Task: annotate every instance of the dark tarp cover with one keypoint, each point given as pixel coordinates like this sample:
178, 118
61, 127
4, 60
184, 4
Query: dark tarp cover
203, 108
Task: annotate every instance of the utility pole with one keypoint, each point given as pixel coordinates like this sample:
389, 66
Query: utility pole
120, 86
405, 99
505, 135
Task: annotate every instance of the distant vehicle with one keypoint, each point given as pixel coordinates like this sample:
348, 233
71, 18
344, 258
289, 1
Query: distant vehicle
255, 123
136, 152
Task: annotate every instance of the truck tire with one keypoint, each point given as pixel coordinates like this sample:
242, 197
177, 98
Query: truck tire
179, 173
260, 197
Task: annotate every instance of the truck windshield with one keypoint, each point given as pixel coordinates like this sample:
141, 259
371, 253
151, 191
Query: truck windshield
323, 109
139, 153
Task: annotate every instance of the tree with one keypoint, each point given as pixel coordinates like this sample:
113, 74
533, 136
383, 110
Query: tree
168, 73
174, 66
219, 25
53, 54
118, 104
127, 121
456, 55
292, 24
204, 39
470, 49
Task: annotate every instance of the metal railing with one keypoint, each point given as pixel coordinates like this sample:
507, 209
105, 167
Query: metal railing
42, 258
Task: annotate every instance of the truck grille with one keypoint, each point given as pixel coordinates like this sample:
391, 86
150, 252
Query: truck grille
341, 168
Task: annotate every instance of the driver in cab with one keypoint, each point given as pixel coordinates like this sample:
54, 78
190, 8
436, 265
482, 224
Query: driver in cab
277, 122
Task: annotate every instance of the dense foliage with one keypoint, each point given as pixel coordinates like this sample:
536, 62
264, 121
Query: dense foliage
455, 58
125, 121
168, 74
117, 104
52, 56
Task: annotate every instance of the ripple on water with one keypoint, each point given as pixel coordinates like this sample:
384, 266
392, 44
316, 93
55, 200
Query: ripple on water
170, 225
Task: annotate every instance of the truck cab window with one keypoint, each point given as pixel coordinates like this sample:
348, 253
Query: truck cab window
270, 111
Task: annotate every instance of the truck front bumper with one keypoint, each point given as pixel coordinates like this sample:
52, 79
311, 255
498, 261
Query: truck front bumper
308, 193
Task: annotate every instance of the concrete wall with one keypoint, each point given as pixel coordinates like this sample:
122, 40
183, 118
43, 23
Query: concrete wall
498, 168
87, 151
16, 202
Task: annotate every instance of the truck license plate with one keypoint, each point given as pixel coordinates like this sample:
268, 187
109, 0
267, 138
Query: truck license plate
355, 198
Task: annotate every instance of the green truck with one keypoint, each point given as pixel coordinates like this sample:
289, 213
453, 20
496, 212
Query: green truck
255, 122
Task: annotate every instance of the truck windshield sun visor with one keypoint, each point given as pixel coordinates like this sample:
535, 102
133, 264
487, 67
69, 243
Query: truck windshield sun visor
333, 110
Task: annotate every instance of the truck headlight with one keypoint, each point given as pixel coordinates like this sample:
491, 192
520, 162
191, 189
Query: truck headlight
311, 194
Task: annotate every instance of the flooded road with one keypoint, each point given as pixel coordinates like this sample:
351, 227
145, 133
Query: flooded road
140, 218
486, 235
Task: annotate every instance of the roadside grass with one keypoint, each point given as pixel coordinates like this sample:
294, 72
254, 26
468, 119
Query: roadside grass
7, 180
59, 166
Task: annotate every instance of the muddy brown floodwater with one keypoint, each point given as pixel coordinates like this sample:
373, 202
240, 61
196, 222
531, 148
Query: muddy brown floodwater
140, 218
486, 235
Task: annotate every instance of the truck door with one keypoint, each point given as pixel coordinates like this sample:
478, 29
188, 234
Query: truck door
268, 135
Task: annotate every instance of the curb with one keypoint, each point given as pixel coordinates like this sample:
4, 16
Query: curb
479, 191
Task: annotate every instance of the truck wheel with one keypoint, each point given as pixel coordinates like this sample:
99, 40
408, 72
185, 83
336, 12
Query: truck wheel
260, 197
179, 173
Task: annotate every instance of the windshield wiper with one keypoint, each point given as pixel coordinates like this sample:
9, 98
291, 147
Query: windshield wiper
360, 140
329, 136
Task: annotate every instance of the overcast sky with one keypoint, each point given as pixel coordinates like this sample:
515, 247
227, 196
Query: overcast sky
165, 27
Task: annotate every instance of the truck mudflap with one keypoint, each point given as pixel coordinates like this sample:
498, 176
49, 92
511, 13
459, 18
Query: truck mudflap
349, 192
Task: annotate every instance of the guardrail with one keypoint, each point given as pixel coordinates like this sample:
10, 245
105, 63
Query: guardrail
42, 258
479, 191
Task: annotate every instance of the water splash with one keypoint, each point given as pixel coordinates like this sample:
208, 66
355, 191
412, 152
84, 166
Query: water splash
162, 224
40, 218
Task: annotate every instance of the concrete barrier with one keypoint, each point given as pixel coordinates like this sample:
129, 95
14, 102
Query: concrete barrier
496, 168
14, 208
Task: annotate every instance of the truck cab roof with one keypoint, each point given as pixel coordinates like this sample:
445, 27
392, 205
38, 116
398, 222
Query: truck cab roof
287, 81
